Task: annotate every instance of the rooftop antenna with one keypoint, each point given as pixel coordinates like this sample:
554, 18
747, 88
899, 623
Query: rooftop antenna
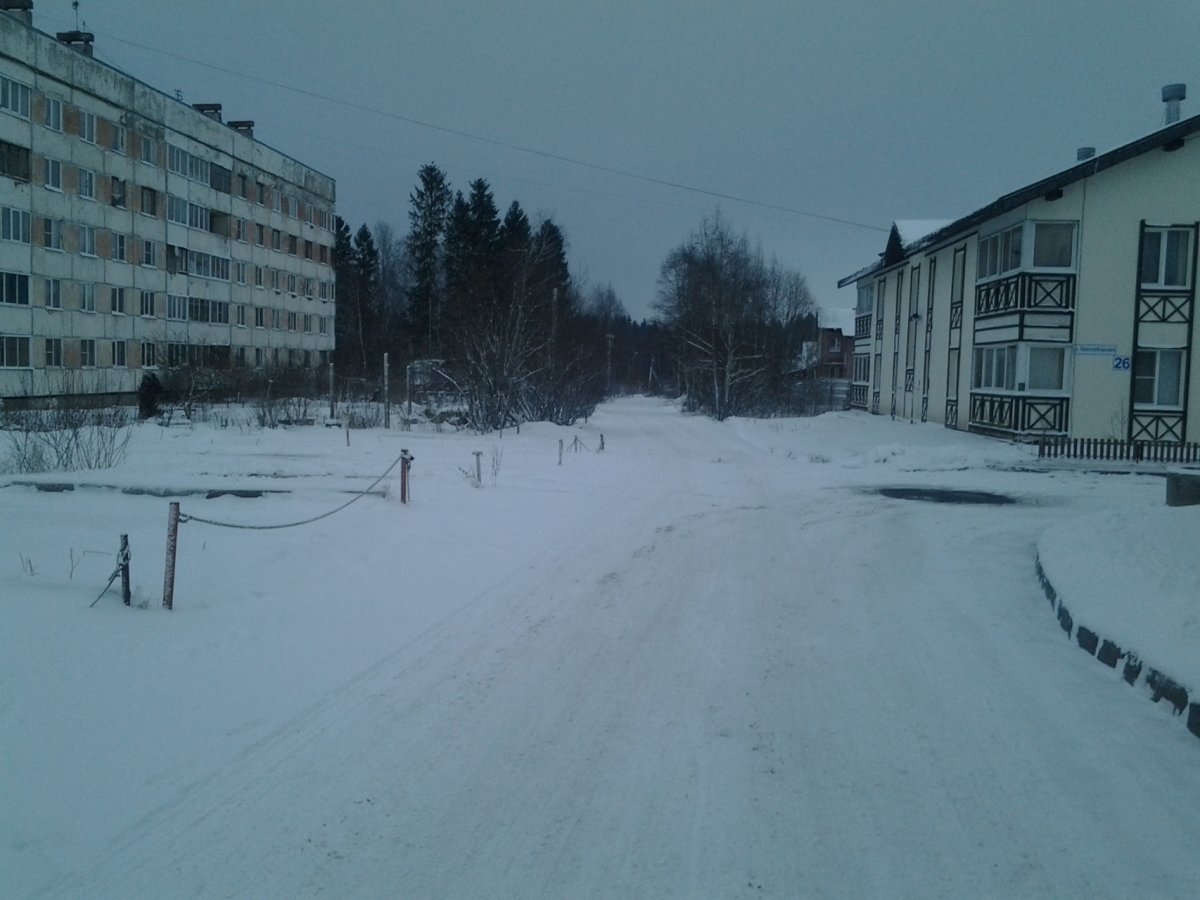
75, 6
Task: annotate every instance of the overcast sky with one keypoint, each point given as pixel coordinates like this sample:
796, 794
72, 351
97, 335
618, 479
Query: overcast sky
859, 110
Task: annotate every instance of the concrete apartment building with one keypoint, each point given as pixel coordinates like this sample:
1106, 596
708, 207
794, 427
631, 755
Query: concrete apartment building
138, 233
1065, 308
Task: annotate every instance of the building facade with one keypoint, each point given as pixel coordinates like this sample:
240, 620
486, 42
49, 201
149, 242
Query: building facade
1067, 307
138, 233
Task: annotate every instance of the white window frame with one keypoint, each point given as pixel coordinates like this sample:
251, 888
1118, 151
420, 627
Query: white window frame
87, 297
87, 127
87, 184
14, 225
1139, 375
15, 97
52, 174
87, 240
1164, 234
53, 293
52, 234
52, 114
87, 353
116, 300
119, 356
53, 353
146, 304
14, 352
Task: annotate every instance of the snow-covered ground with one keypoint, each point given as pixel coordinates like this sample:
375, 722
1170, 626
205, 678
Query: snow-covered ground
709, 661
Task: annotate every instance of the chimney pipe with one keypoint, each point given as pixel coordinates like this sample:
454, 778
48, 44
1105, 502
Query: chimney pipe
21, 10
243, 126
1084, 153
212, 110
78, 40
1172, 94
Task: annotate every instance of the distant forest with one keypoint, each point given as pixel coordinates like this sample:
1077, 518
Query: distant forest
483, 307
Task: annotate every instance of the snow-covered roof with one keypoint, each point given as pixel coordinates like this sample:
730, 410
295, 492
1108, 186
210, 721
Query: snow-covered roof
838, 317
912, 230
901, 244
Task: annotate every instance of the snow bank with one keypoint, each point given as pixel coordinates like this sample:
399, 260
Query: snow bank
1133, 577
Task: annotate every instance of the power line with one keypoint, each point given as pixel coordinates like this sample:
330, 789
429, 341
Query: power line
495, 142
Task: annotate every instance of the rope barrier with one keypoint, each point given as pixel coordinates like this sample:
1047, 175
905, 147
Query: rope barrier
324, 515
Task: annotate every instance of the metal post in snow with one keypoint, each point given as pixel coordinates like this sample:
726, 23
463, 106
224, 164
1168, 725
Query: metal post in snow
405, 462
172, 541
560, 451
332, 400
478, 467
123, 560
387, 395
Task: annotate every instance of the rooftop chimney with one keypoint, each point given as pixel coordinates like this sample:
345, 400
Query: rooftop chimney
79, 40
1172, 94
212, 110
243, 126
21, 10
1084, 153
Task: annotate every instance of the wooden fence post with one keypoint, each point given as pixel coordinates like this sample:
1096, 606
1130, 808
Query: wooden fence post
123, 559
172, 540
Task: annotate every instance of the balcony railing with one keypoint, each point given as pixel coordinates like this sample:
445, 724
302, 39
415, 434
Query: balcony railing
858, 396
1020, 413
862, 326
1025, 291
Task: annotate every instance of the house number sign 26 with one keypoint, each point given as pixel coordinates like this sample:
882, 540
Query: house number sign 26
1121, 364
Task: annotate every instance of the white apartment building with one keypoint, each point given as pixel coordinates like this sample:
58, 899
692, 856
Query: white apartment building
139, 233
1065, 308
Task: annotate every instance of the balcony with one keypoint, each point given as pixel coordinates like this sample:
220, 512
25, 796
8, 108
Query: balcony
1025, 292
858, 396
1016, 415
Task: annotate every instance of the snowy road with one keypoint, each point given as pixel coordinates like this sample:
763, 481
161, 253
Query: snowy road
739, 675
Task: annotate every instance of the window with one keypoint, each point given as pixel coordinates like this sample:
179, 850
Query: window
150, 201
14, 97
199, 217
52, 174
220, 179
291, 284
275, 279
276, 319
258, 276
197, 309
292, 244
995, 368
53, 117
308, 323
87, 353
197, 169
218, 312
53, 293
999, 253
87, 240
1157, 378
260, 192
260, 235
147, 304
117, 300
14, 161
243, 185
118, 139
241, 230
240, 269
53, 353
14, 352
177, 210
276, 200
118, 247
276, 239
177, 307
291, 321
149, 355
1046, 366
323, 327
87, 184
52, 234
87, 297
1053, 245
1165, 257
259, 317
176, 355
308, 250
149, 150
13, 288
14, 225
118, 192
241, 315
149, 254
87, 127
118, 354
259, 357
